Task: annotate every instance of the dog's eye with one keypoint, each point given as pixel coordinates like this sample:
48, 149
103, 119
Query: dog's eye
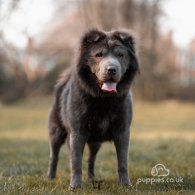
99, 55
120, 55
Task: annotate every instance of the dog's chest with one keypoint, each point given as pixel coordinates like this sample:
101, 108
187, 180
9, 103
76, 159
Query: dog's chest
101, 122
100, 128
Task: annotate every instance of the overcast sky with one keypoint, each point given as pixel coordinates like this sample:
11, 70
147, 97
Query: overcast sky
30, 17
180, 18
34, 14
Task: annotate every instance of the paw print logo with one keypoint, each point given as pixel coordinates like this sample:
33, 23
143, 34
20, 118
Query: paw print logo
160, 170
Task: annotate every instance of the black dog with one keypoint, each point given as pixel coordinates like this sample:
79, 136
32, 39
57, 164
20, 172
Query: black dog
93, 103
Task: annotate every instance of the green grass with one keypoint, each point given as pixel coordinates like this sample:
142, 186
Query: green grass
161, 133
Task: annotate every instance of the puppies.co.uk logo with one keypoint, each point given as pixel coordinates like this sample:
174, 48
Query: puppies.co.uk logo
160, 170
159, 173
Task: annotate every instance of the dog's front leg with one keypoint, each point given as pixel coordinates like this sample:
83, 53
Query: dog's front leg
121, 142
77, 143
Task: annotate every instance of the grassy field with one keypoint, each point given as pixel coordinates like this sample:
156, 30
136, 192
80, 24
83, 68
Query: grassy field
161, 133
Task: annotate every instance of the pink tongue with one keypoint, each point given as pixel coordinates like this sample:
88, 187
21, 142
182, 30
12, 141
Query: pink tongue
109, 87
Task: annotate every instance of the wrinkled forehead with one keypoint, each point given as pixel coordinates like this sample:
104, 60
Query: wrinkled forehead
109, 43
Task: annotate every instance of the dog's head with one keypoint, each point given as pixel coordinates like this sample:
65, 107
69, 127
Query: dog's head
107, 62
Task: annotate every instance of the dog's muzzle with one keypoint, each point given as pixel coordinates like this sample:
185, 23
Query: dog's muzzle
110, 74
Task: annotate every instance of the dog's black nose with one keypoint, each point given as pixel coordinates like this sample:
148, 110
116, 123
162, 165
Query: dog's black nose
111, 70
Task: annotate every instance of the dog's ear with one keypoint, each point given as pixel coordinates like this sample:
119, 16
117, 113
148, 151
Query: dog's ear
93, 36
126, 38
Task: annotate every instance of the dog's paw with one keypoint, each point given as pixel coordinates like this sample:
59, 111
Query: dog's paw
126, 182
73, 187
51, 176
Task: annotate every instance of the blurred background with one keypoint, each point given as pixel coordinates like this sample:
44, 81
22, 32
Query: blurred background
37, 42
38, 39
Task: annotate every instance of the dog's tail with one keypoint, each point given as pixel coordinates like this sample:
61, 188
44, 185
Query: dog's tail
60, 85
62, 81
